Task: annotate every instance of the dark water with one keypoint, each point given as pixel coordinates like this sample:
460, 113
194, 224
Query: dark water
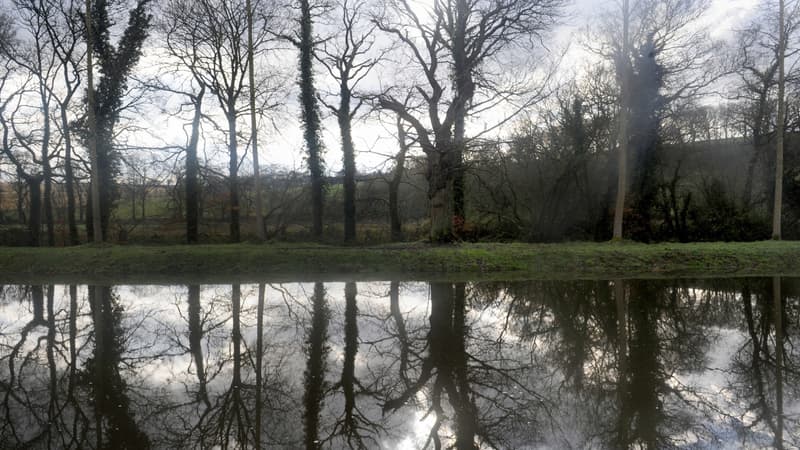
530, 365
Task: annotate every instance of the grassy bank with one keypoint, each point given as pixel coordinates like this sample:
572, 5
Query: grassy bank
280, 262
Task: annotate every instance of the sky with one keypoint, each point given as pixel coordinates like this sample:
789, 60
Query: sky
280, 138
284, 147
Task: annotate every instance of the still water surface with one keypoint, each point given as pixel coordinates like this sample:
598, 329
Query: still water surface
522, 365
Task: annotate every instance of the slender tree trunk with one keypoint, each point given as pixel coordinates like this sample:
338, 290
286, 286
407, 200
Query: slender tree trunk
97, 230
69, 180
261, 232
259, 361
778, 206
778, 307
311, 119
349, 160
53, 407
622, 361
623, 138
47, 172
394, 185
236, 378
233, 168
192, 171
196, 342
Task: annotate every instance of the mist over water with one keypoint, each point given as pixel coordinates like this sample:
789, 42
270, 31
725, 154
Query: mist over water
679, 363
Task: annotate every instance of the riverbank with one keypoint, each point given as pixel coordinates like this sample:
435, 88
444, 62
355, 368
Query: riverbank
306, 262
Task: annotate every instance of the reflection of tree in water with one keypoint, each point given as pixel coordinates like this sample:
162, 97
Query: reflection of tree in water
478, 363
314, 376
619, 379
765, 365
40, 407
476, 392
115, 426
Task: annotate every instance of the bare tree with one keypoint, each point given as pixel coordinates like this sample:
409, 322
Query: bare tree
210, 39
778, 206
661, 55
623, 74
15, 152
348, 60
451, 48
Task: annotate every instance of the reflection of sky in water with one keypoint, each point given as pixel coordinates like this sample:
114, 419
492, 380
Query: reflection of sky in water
161, 380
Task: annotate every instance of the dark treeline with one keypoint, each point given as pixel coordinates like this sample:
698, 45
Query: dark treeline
656, 129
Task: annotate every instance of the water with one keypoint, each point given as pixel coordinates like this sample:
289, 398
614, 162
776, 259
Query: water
543, 364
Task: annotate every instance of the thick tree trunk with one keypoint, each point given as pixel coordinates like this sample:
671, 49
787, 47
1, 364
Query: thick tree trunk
192, 171
349, 160
311, 119
196, 343
96, 230
464, 92
348, 379
233, 179
314, 376
440, 195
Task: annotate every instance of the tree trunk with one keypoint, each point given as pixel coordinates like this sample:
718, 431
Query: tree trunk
311, 119
20, 188
440, 195
778, 206
35, 213
69, 180
259, 361
233, 180
348, 379
196, 342
47, 173
192, 171
96, 228
623, 138
464, 92
778, 311
314, 376
394, 185
261, 232
133, 201
349, 160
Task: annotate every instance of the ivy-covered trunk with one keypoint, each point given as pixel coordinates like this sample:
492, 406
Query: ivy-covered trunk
311, 119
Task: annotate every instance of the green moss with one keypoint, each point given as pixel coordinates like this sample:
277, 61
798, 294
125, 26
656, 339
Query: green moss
273, 262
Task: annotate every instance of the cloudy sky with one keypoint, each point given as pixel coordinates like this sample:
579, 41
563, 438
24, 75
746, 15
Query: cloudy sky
281, 141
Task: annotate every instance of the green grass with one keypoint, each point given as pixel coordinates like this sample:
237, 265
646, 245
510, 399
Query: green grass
306, 262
